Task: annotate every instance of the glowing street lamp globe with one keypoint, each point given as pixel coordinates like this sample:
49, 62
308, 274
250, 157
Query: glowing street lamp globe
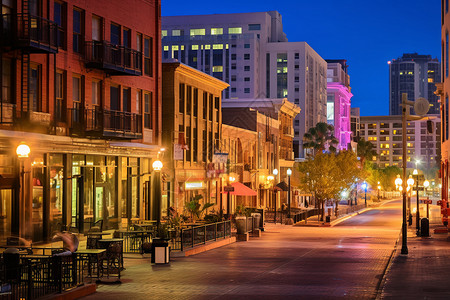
157, 165
410, 180
398, 181
426, 183
275, 172
23, 150
289, 172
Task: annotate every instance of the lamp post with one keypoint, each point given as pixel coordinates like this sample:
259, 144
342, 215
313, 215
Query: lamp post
275, 174
23, 152
156, 199
410, 183
379, 188
364, 186
289, 173
356, 192
426, 184
231, 179
416, 173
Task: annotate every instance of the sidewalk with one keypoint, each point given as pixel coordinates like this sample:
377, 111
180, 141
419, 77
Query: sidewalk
423, 273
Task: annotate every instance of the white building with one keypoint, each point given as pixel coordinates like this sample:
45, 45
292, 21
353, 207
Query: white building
385, 132
250, 51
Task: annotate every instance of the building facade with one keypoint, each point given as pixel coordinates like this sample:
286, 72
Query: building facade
416, 75
81, 87
192, 128
250, 51
423, 140
339, 101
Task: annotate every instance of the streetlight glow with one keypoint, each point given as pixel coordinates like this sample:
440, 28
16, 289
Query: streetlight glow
398, 181
410, 181
426, 183
275, 172
23, 150
157, 165
289, 172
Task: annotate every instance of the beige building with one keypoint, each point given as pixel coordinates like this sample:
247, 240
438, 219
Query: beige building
385, 132
192, 121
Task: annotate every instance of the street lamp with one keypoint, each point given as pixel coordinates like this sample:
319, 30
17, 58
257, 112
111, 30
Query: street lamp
410, 183
426, 184
356, 192
379, 188
23, 152
398, 182
416, 173
231, 179
289, 221
364, 186
156, 201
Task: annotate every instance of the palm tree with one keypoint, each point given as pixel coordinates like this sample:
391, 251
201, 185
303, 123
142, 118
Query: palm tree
365, 151
320, 138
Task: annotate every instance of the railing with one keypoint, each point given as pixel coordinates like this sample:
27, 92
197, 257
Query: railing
36, 277
278, 216
133, 241
31, 31
200, 235
117, 59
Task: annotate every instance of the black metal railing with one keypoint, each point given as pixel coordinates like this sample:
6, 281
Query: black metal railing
105, 122
119, 60
27, 30
133, 241
39, 276
200, 235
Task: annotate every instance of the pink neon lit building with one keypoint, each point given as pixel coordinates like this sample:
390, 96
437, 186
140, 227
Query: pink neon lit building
338, 101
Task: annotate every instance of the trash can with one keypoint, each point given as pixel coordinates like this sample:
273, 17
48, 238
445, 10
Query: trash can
256, 220
241, 223
160, 251
327, 219
424, 227
11, 259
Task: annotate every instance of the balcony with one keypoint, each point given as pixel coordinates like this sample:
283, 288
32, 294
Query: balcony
28, 32
113, 59
105, 123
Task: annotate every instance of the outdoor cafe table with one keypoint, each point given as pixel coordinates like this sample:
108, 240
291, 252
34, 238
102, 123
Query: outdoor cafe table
94, 259
114, 257
133, 240
93, 237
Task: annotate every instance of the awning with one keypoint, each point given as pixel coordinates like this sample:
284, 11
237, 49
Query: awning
282, 186
242, 190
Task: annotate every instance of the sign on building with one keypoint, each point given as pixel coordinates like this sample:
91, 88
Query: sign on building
178, 152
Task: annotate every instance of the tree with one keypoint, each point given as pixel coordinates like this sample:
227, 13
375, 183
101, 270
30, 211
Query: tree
365, 151
319, 138
327, 174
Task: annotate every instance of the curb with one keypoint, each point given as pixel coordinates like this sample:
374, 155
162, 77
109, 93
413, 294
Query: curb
382, 281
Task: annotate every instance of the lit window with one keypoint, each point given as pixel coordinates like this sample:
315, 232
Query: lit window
182, 47
163, 33
207, 47
175, 48
166, 48
284, 69
216, 31
176, 32
430, 80
194, 47
217, 68
217, 46
235, 30
195, 32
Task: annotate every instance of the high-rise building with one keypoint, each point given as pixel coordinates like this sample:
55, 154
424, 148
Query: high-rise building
416, 75
355, 123
250, 51
339, 100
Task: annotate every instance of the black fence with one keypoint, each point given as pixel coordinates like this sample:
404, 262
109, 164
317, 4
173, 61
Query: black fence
33, 277
280, 216
195, 235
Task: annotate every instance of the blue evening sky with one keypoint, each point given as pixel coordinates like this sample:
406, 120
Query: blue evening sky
366, 33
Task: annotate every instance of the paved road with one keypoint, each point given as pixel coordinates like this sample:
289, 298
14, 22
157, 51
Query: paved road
344, 261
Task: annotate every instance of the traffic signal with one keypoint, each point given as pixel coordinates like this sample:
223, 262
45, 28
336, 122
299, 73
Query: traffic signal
430, 126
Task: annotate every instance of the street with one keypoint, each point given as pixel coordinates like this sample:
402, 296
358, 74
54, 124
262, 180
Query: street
346, 260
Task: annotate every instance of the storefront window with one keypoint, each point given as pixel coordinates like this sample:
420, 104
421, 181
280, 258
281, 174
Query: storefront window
89, 192
77, 163
56, 191
133, 162
124, 187
110, 194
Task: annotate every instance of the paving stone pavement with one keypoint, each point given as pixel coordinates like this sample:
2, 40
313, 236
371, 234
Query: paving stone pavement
344, 261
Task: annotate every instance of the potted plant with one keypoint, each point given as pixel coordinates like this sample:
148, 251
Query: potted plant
195, 209
241, 215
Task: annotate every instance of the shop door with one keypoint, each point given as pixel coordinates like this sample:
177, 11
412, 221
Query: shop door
99, 199
5, 212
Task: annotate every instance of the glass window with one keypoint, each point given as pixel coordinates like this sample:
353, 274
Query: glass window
194, 32
78, 28
60, 101
148, 53
235, 30
7, 81
96, 28
115, 34
148, 98
96, 88
126, 99
176, 32
138, 101
246, 45
216, 31
163, 33
114, 92
56, 191
254, 26
35, 88
217, 68
60, 20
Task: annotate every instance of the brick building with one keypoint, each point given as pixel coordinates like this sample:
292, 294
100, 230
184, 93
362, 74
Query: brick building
81, 85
